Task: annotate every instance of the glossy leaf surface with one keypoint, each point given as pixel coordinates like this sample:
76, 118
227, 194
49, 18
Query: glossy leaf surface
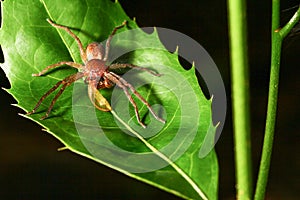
30, 44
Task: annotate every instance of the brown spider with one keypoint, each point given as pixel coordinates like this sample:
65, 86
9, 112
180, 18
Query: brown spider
96, 74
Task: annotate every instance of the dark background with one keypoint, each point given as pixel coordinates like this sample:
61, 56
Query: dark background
31, 168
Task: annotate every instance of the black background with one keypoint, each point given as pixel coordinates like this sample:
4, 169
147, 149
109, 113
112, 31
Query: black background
31, 168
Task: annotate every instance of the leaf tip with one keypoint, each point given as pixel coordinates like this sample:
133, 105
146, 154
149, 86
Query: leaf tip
62, 148
218, 124
211, 98
3, 88
22, 114
176, 50
193, 64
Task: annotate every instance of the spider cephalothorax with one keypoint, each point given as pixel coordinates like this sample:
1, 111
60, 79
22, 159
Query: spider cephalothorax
96, 74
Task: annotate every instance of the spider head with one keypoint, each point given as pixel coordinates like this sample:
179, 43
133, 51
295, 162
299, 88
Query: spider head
95, 51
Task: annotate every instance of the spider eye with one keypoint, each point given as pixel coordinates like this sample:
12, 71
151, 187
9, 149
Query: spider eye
95, 51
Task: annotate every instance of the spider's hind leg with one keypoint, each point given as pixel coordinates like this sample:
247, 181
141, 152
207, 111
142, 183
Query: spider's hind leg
65, 83
139, 96
120, 82
124, 65
44, 97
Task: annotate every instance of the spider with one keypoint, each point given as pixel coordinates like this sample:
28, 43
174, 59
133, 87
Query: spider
96, 74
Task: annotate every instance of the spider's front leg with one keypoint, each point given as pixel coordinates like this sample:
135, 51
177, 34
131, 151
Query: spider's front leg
107, 46
79, 43
71, 64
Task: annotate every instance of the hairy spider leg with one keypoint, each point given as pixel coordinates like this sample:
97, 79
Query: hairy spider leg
81, 49
107, 46
71, 64
65, 83
115, 79
124, 65
120, 82
142, 99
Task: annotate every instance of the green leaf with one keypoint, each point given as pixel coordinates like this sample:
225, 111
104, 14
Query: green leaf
112, 138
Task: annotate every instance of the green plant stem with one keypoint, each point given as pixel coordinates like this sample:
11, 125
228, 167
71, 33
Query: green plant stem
292, 22
277, 38
240, 97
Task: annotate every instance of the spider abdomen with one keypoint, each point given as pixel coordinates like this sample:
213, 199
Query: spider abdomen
95, 51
